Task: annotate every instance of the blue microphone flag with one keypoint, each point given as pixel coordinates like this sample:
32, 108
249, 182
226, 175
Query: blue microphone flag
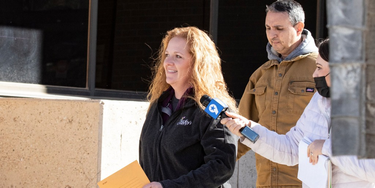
215, 107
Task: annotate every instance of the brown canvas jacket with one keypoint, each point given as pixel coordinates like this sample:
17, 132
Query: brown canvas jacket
275, 97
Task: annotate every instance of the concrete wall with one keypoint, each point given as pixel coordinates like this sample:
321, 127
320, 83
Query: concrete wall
347, 62
122, 124
76, 143
49, 143
245, 174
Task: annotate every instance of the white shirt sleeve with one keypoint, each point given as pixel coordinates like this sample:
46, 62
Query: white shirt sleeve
361, 168
281, 149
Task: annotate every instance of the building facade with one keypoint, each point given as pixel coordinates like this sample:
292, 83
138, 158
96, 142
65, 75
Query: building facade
100, 48
104, 49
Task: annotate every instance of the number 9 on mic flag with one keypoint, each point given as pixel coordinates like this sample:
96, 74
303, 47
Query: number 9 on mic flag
215, 107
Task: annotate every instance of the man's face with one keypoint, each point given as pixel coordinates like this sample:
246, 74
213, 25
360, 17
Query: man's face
281, 34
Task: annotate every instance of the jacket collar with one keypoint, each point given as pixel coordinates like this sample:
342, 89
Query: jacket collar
166, 104
274, 62
167, 95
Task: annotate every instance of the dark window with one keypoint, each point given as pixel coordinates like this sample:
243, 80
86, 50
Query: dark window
242, 39
44, 41
130, 33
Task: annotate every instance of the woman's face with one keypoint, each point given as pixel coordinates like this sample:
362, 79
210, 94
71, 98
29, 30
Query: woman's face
177, 64
322, 69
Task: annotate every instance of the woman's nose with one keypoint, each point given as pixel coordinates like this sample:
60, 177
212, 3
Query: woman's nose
168, 60
315, 74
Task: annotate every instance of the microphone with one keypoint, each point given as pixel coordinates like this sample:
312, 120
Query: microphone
216, 109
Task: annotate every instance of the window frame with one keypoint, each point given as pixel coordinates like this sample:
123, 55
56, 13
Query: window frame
26, 90
13, 89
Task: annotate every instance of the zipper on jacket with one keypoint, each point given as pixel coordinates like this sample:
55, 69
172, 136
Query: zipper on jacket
173, 115
156, 151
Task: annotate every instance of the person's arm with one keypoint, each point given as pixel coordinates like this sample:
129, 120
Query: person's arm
361, 168
219, 145
281, 149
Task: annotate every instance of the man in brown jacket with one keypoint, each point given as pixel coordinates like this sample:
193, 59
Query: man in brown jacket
279, 90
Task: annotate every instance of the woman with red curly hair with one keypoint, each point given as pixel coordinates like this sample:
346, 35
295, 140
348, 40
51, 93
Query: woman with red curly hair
181, 146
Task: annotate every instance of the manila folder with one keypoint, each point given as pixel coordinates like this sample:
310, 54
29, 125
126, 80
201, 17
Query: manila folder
131, 176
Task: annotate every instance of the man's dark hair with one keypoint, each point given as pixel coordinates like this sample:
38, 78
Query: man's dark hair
293, 8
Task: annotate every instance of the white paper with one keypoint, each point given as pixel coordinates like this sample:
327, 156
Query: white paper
314, 176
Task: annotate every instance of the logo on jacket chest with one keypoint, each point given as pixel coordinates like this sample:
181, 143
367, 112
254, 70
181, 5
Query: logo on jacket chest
183, 121
310, 89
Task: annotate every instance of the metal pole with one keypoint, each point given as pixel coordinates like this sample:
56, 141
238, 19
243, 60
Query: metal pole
91, 51
214, 17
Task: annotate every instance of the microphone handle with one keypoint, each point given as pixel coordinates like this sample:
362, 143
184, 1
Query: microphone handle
223, 115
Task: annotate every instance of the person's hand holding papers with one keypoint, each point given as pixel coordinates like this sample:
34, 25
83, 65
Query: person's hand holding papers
314, 150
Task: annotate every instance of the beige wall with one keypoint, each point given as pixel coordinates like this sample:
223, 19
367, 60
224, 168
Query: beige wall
49, 143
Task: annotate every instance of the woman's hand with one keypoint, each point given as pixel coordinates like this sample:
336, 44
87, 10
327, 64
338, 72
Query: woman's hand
314, 150
153, 185
235, 122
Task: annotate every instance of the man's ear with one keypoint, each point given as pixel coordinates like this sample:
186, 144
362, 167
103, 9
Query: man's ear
299, 28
